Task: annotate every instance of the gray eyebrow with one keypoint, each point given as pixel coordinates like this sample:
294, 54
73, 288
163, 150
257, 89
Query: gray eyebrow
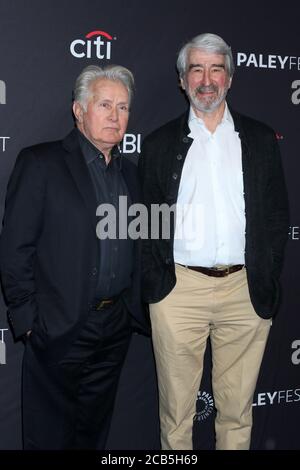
192, 66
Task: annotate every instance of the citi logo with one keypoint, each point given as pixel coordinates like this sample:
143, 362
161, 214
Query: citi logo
96, 44
2, 92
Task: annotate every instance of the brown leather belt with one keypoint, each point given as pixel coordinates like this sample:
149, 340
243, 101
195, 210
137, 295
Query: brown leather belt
221, 271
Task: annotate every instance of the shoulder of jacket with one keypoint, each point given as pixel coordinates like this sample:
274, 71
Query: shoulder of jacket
250, 124
166, 131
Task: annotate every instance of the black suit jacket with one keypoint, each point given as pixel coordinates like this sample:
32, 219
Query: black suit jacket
49, 248
266, 207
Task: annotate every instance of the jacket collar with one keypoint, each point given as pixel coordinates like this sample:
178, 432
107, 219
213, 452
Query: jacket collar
77, 165
184, 124
238, 125
80, 173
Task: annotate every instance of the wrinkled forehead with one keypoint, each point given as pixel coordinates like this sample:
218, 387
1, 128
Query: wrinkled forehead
108, 89
202, 57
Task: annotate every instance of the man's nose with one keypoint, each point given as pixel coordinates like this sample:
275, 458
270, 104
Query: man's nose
114, 114
206, 78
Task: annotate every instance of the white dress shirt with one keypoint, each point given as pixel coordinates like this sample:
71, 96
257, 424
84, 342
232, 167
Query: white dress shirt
210, 211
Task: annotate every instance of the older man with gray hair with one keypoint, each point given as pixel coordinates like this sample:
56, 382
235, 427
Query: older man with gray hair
219, 281
72, 296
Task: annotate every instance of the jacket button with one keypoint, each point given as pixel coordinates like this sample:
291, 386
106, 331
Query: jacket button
94, 271
179, 157
168, 261
185, 140
174, 176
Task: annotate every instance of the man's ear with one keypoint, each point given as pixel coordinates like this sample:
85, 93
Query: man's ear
78, 111
182, 84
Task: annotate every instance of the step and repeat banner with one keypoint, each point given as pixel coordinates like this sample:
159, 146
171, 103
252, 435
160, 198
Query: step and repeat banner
43, 47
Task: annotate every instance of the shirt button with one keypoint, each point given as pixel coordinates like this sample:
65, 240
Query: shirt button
174, 176
179, 157
113, 275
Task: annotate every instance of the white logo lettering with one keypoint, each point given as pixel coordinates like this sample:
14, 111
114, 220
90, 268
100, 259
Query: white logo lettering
296, 354
131, 143
296, 94
100, 47
204, 406
2, 346
4, 139
2, 92
277, 397
294, 233
267, 61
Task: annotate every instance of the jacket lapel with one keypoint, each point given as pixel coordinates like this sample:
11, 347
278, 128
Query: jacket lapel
178, 156
248, 178
246, 156
80, 173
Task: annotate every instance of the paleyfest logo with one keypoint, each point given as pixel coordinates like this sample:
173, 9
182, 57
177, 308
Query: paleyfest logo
267, 61
204, 405
96, 44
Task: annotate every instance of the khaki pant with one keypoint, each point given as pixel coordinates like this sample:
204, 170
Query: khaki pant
199, 307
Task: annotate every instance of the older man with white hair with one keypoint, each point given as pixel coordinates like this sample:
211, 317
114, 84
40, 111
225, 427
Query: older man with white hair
220, 281
71, 295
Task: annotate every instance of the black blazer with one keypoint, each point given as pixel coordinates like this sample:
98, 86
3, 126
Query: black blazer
48, 245
162, 159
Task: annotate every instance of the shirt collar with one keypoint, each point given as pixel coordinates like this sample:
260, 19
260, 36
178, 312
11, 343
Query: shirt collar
91, 153
195, 121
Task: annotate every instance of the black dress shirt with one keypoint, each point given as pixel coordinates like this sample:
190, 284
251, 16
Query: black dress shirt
116, 255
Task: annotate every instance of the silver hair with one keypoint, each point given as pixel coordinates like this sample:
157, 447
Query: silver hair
207, 42
92, 73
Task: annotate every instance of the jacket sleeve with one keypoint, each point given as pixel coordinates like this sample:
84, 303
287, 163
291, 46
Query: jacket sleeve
22, 226
277, 208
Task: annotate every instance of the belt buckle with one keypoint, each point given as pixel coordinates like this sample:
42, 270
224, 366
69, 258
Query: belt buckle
102, 303
224, 270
